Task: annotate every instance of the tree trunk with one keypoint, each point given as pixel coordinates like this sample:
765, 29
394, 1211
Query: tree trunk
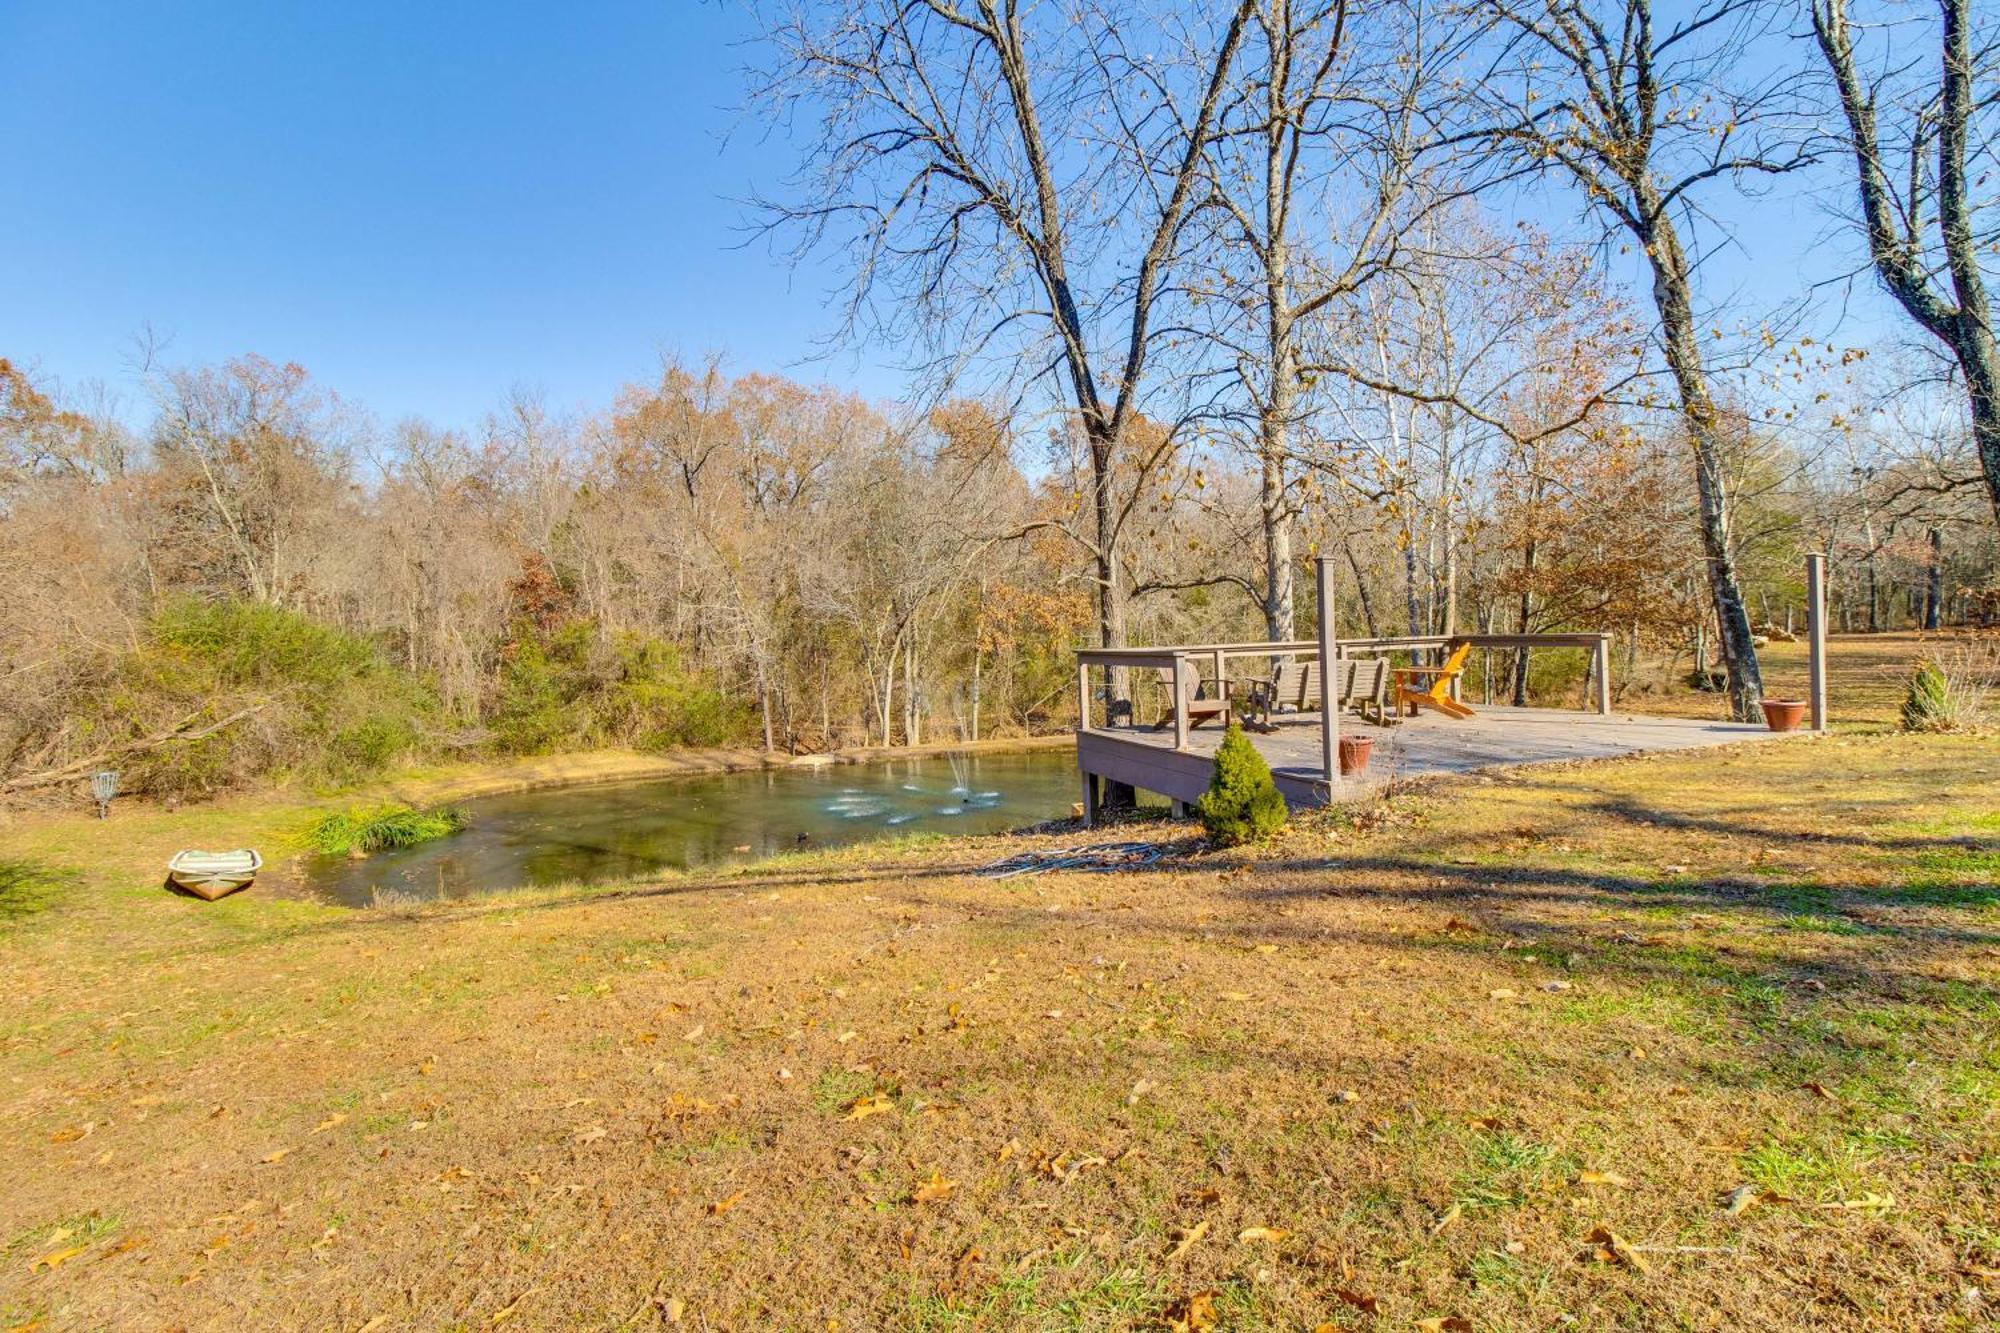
1361, 591
1934, 581
1671, 296
1110, 596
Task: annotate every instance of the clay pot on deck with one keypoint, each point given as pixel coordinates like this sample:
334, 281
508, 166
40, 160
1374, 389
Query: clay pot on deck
1784, 714
1354, 754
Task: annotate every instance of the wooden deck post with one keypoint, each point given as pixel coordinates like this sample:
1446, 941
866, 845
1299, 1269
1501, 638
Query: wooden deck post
1601, 660
1329, 712
1083, 696
1816, 638
1180, 702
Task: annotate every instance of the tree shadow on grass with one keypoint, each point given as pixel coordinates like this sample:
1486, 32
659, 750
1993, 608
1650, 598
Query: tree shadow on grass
28, 888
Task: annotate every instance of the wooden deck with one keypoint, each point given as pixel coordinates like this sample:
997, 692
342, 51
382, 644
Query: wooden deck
1146, 758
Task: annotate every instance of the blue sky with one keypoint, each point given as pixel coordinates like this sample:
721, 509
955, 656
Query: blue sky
429, 204
423, 204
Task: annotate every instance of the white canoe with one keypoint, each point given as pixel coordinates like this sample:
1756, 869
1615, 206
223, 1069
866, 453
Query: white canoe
212, 875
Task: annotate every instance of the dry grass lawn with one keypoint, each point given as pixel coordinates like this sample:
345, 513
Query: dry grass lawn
1497, 1054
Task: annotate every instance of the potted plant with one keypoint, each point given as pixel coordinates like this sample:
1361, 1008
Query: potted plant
1784, 714
1354, 751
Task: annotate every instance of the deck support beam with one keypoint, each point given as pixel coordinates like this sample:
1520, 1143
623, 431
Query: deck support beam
1816, 638
1329, 715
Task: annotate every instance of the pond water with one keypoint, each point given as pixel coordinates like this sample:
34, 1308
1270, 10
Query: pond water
587, 834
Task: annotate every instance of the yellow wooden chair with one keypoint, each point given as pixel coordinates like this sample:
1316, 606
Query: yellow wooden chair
1430, 686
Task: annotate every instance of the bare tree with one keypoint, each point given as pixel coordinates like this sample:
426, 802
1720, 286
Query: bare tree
1015, 179
1926, 237
1640, 120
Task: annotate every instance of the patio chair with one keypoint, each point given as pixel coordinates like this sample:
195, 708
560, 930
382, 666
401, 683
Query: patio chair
1430, 686
1195, 704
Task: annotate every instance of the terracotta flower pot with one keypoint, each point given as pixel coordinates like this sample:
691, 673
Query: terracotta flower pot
1354, 754
1784, 714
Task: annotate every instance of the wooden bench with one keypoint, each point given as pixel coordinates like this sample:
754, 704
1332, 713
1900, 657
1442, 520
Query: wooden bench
1198, 708
1363, 685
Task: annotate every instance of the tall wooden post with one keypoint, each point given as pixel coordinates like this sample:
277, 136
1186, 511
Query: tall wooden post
1816, 638
1603, 656
1329, 710
1181, 695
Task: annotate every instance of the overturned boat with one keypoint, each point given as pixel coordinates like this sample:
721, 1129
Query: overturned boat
212, 875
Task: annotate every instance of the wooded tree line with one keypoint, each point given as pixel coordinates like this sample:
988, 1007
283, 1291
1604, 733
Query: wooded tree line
1240, 218
1191, 294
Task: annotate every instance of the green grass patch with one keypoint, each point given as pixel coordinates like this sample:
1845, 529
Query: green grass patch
379, 828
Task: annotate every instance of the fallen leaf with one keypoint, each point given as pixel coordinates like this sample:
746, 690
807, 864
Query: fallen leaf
1602, 1178
278, 1156
1081, 1164
1271, 1235
721, 1206
863, 1107
1612, 1246
1502, 993
1007, 1150
1188, 1240
72, 1134
1235, 996
937, 1187
1818, 1090
674, 1309
329, 1122
509, 1310
1267, 948
1868, 1201
1450, 1323
1347, 1096
1139, 1089
694, 1033
1366, 1304
1740, 1200
591, 1134
1192, 1314
846, 1037
1555, 985
1451, 1215
55, 1259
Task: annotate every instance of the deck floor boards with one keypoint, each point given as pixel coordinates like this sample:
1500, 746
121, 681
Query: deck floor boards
1431, 743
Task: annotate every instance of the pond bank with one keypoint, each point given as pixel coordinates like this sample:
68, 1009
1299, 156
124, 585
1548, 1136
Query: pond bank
463, 782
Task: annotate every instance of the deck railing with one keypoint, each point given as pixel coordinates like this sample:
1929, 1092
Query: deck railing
1182, 659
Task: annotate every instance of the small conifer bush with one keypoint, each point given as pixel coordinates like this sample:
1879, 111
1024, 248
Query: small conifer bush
1928, 704
1242, 803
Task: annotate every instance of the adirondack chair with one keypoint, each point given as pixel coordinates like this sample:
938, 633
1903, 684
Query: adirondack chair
1363, 684
1198, 708
1430, 686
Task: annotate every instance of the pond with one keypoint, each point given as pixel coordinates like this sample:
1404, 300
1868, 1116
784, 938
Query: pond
593, 834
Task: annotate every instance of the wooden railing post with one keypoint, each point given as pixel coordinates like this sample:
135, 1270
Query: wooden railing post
1329, 714
1816, 638
1180, 701
1082, 695
1602, 654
